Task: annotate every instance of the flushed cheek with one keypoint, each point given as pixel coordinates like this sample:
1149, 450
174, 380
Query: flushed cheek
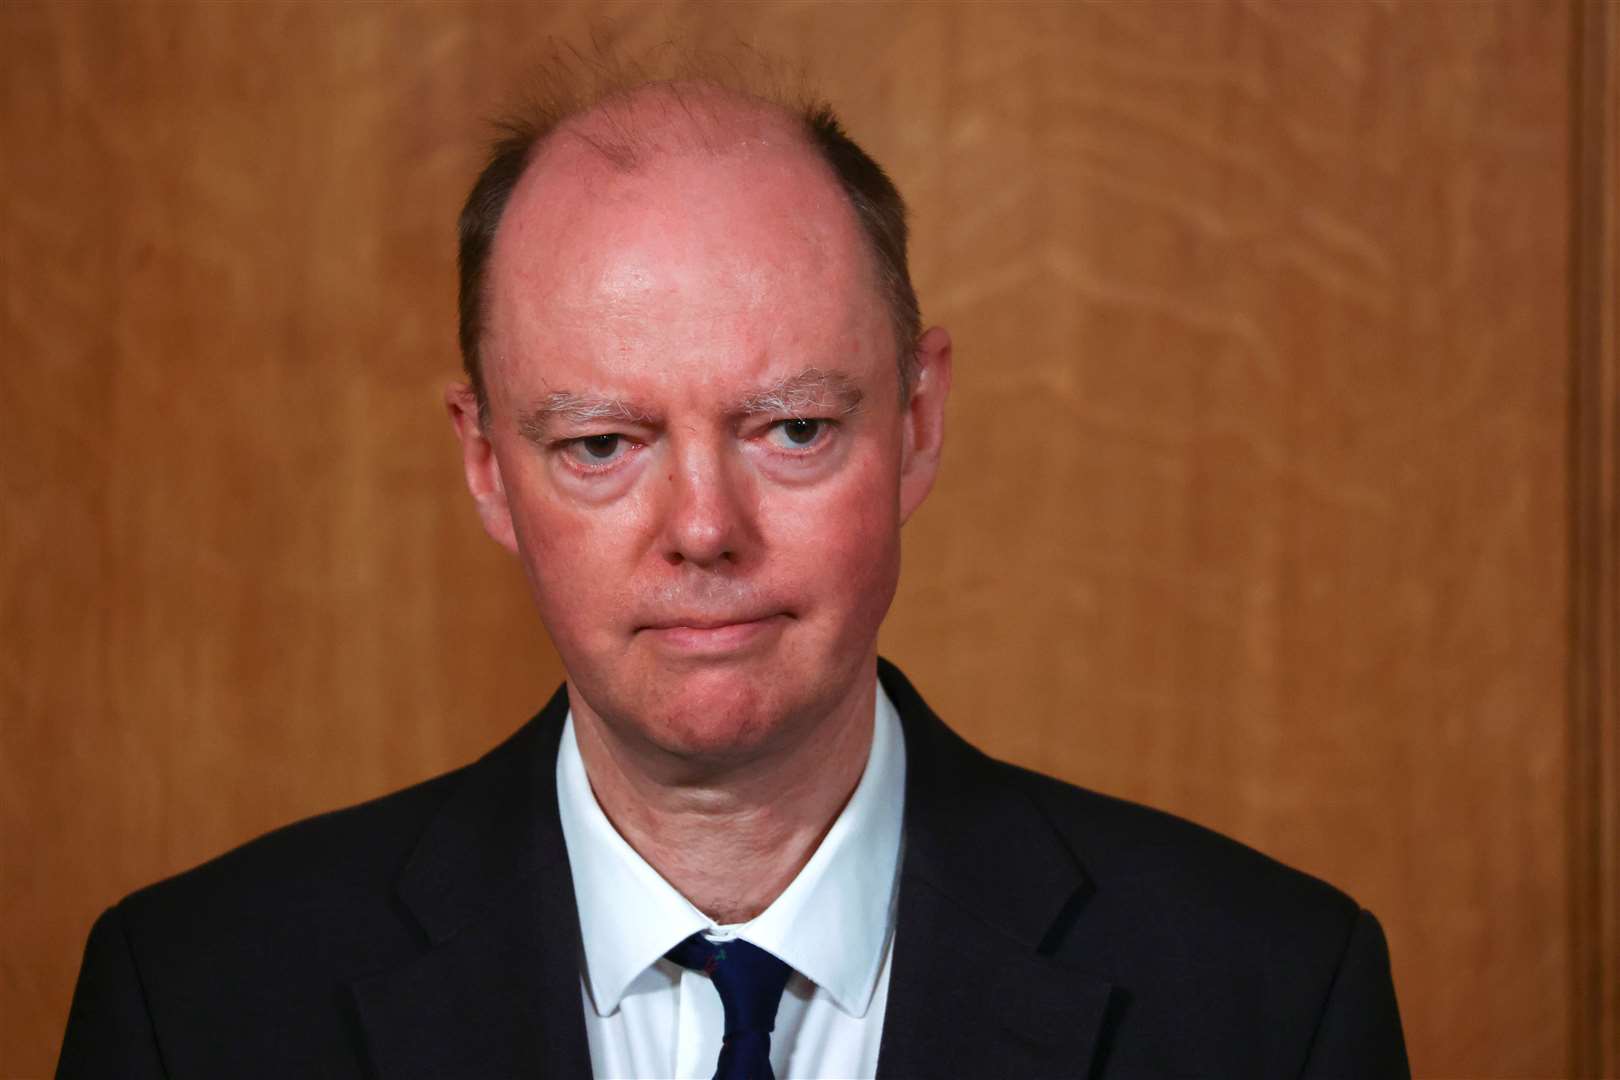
846, 555
574, 560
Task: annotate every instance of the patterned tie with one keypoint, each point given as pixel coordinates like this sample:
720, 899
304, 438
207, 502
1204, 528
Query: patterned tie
750, 981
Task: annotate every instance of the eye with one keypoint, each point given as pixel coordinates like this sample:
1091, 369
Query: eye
595, 451
799, 433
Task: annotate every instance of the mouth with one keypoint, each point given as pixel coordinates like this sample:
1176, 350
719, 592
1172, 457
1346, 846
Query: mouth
713, 635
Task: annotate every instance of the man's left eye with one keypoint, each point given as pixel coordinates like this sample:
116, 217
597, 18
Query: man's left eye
799, 433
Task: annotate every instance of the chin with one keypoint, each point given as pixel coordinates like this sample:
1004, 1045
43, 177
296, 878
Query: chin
718, 711
715, 711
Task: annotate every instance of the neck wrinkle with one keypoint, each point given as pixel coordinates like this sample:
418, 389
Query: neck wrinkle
733, 843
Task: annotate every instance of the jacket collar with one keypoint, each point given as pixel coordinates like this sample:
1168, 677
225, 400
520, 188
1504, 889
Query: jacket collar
987, 890
496, 991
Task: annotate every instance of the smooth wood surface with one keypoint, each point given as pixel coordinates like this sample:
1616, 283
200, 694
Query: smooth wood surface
1256, 504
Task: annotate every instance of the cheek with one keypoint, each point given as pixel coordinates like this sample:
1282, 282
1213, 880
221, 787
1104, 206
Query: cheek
847, 546
574, 557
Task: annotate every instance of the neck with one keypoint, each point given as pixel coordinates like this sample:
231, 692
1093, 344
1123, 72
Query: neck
732, 841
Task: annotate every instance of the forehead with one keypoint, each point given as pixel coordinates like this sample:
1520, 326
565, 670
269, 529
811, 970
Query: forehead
727, 235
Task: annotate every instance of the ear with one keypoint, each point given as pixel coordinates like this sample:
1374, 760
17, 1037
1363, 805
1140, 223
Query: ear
923, 420
482, 468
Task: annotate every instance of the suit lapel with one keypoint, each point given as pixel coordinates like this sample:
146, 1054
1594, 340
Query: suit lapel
496, 993
987, 891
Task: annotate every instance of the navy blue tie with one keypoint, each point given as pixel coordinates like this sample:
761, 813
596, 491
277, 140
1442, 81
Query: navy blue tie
750, 981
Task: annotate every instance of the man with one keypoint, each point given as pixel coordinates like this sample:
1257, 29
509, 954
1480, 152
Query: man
699, 411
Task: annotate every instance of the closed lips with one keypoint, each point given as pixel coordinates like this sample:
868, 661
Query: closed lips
697, 622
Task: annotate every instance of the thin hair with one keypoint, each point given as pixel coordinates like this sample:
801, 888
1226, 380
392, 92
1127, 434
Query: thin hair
571, 82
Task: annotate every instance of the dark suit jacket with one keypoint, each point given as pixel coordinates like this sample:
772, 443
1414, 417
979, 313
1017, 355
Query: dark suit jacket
1043, 931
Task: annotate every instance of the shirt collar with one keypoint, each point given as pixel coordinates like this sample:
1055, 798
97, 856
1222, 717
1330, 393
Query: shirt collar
831, 924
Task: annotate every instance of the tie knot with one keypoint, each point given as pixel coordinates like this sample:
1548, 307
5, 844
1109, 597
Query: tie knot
749, 979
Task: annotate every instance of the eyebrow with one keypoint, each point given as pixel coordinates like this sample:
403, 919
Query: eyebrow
570, 408
811, 391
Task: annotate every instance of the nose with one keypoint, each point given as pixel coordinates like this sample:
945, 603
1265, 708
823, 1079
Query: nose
710, 516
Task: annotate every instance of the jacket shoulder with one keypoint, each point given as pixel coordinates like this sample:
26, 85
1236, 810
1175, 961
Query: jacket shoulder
278, 925
251, 956
1157, 858
349, 851
1209, 938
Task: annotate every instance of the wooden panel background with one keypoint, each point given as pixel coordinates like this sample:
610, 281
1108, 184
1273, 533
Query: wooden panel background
1257, 498
1595, 548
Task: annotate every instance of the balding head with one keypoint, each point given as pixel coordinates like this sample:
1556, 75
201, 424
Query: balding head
621, 125
636, 125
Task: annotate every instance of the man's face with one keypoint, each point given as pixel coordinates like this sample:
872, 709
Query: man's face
697, 444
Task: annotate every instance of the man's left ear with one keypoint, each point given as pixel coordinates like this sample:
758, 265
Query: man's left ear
923, 419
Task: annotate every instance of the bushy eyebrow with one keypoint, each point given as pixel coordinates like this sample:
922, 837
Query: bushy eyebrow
562, 406
811, 392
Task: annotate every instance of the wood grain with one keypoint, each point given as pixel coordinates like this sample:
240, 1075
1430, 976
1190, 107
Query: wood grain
1258, 495
1595, 549
1255, 501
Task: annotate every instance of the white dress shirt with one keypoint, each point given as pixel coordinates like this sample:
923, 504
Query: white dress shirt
647, 1017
